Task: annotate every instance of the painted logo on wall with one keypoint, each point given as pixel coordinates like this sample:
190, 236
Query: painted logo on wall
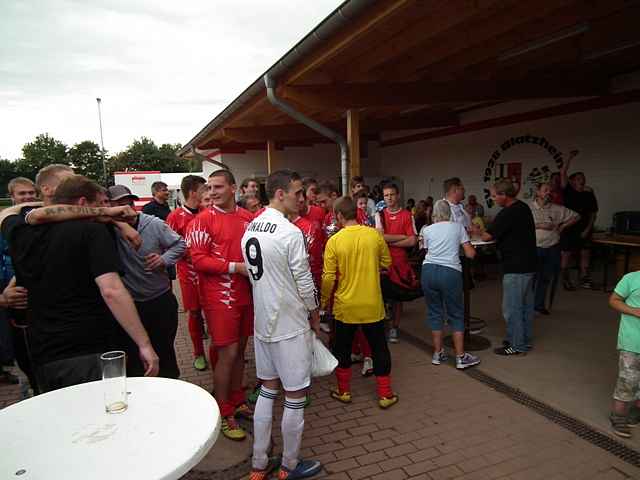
497, 169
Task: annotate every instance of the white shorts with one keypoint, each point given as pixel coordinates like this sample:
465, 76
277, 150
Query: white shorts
288, 360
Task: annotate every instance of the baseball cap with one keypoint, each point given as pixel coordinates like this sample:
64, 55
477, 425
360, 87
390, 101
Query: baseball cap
116, 192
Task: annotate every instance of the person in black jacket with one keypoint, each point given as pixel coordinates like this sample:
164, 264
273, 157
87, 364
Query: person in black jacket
159, 206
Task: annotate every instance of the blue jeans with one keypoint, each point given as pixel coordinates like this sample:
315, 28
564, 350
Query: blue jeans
548, 266
442, 287
517, 308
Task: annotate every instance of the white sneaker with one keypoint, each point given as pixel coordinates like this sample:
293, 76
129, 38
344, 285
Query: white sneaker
393, 335
367, 367
466, 360
356, 357
439, 357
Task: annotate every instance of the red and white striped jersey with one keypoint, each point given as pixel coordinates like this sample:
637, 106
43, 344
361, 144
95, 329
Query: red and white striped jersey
214, 239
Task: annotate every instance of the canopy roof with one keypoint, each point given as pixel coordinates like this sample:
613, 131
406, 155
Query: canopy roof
418, 64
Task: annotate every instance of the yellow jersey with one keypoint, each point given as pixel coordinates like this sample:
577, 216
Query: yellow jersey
354, 256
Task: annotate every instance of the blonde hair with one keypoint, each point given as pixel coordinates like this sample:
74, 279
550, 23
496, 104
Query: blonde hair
19, 181
47, 174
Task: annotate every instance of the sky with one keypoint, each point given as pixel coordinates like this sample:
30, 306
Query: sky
162, 68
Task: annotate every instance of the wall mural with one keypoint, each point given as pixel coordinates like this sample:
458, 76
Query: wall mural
497, 169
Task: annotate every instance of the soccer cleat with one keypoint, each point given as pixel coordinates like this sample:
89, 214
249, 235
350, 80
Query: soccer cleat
200, 363
367, 367
393, 335
386, 402
344, 397
439, 357
244, 411
619, 425
232, 430
466, 360
304, 469
274, 462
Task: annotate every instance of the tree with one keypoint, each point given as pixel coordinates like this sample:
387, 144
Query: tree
144, 154
86, 159
7, 172
43, 151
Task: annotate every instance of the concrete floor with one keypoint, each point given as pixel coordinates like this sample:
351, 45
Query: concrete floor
573, 366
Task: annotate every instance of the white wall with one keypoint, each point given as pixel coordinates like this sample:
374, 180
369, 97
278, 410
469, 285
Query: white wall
608, 140
321, 161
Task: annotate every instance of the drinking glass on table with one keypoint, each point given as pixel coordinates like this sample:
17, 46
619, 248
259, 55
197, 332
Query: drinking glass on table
114, 381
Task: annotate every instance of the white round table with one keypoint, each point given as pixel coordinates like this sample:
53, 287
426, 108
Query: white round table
169, 426
482, 243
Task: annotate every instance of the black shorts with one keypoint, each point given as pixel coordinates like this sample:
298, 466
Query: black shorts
571, 240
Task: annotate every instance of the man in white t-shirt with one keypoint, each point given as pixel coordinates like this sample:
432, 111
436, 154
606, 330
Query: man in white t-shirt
454, 195
286, 310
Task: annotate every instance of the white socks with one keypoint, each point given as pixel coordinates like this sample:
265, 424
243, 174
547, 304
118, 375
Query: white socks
292, 427
262, 420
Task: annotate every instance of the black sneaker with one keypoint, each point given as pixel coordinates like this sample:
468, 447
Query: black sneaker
619, 425
507, 351
633, 419
8, 377
585, 282
568, 285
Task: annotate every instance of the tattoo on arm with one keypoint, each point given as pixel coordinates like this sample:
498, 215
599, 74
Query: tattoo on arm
74, 209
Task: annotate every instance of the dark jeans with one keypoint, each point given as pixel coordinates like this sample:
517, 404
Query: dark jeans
377, 341
548, 266
443, 292
68, 372
160, 319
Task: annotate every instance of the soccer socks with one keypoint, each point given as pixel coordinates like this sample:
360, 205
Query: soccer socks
343, 375
238, 397
384, 386
292, 427
262, 419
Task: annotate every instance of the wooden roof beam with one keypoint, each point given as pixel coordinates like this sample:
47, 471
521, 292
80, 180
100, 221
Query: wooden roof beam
360, 95
367, 126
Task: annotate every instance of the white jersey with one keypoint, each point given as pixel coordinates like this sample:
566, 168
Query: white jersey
276, 257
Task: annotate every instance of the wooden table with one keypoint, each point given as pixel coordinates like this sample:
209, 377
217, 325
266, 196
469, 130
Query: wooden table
612, 242
168, 427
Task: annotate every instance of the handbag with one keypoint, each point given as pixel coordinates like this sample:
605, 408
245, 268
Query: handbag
323, 362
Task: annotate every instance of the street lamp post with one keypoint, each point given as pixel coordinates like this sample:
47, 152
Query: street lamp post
104, 163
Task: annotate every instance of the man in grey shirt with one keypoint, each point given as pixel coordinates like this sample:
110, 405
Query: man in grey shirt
147, 280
